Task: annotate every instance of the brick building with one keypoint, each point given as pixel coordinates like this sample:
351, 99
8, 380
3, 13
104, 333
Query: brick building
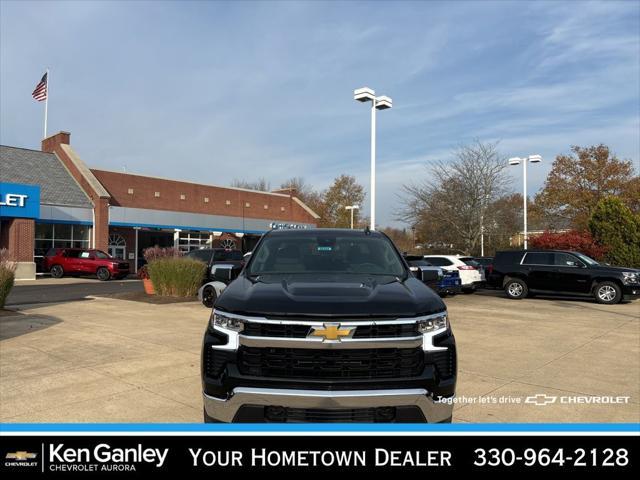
69, 204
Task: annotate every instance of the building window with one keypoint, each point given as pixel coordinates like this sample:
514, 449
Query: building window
188, 241
183, 196
282, 209
266, 207
206, 199
247, 205
157, 194
227, 244
60, 235
228, 202
130, 191
117, 246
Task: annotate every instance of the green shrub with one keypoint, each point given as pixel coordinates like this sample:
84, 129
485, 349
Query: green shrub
7, 276
176, 276
614, 225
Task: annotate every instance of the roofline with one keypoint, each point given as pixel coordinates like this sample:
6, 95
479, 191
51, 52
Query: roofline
84, 171
27, 149
306, 208
191, 183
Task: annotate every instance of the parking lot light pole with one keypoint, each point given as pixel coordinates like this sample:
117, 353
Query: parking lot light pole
352, 208
482, 209
366, 94
524, 161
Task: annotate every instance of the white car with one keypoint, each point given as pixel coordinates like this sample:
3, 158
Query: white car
209, 292
470, 276
221, 275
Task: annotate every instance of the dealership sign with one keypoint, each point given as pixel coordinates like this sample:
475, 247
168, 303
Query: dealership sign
287, 226
18, 200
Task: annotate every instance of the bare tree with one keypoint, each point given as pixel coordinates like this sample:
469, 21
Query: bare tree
261, 184
450, 206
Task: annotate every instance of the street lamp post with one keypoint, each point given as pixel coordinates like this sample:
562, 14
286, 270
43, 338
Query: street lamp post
483, 206
524, 161
366, 94
352, 208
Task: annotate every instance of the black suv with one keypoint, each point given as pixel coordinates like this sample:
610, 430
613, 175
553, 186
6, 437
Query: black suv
572, 273
328, 326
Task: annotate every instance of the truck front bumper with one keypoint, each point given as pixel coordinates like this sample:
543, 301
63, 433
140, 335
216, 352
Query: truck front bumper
225, 410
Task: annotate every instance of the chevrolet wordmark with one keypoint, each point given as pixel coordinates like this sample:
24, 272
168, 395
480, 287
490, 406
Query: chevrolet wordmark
328, 326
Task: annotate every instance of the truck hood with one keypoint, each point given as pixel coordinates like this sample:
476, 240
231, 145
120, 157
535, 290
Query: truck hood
612, 269
329, 295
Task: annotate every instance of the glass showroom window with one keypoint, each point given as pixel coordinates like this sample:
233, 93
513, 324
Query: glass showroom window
60, 235
192, 240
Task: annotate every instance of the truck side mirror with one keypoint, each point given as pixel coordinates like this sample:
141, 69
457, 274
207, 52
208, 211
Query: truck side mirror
225, 273
430, 274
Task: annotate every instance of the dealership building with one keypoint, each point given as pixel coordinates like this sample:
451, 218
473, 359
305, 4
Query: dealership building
51, 198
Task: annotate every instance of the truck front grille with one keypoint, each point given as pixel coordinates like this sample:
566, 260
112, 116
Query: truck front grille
331, 364
256, 329
214, 361
444, 361
315, 415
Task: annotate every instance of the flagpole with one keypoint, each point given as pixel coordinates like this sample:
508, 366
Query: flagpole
46, 105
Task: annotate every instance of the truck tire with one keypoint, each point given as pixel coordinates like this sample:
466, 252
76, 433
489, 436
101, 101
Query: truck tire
103, 274
608, 293
516, 289
57, 271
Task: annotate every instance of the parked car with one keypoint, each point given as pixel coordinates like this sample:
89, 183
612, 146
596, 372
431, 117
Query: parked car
470, 276
417, 265
78, 261
474, 263
213, 256
328, 325
486, 262
448, 284
523, 272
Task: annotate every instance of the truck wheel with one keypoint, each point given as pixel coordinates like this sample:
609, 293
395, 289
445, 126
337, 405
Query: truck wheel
103, 274
57, 271
516, 289
608, 293
208, 419
468, 290
209, 296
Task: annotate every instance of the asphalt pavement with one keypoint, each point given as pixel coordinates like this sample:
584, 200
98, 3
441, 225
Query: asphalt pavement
53, 290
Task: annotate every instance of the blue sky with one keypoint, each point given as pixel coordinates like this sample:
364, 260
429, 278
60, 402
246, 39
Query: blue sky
212, 91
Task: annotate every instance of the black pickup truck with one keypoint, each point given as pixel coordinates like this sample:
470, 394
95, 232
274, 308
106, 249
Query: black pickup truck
327, 325
523, 273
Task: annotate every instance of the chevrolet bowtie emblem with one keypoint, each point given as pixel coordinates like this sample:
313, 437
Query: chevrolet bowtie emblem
20, 455
332, 331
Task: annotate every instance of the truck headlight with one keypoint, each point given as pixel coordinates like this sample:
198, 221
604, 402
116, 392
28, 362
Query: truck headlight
220, 319
629, 278
429, 325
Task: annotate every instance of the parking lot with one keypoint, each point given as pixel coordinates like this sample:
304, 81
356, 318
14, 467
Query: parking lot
112, 360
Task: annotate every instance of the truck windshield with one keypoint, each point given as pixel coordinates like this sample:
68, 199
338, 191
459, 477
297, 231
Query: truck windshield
326, 253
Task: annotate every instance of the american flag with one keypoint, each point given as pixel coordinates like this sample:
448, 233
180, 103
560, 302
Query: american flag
40, 93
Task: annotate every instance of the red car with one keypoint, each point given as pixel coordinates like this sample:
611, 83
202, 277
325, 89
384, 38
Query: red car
80, 261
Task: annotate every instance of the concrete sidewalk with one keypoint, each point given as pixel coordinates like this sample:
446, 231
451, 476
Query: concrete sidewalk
113, 360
